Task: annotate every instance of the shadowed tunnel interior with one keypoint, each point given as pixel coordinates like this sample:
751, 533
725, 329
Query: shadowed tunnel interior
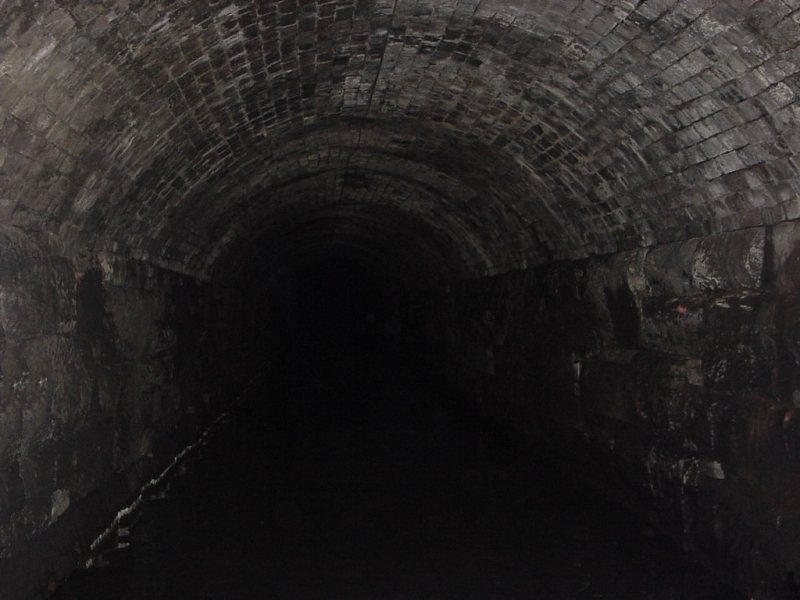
399, 298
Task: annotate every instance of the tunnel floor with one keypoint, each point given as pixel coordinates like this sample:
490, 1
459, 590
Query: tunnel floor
357, 484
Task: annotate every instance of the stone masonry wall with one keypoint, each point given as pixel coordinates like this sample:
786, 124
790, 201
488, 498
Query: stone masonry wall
667, 377
107, 370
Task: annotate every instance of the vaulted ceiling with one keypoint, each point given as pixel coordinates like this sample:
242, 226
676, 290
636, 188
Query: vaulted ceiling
476, 136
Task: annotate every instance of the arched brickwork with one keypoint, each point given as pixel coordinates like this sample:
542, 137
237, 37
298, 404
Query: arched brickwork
569, 128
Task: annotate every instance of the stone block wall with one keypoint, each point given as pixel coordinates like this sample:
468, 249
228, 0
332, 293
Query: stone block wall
108, 368
667, 377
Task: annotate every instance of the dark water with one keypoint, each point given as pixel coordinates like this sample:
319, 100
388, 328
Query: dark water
358, 484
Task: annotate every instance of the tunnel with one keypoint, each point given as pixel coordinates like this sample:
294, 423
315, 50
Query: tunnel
513, 285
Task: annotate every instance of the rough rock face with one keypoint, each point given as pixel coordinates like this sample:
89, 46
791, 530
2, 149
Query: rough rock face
666, 377
106, 372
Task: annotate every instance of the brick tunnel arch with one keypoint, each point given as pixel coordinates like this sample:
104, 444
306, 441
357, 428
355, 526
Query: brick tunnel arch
586, 128
609, 164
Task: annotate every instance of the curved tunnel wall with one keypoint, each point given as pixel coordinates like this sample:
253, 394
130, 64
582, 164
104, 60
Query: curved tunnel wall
564, 128
195, 145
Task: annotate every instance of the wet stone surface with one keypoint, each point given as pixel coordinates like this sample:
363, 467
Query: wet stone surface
364, 486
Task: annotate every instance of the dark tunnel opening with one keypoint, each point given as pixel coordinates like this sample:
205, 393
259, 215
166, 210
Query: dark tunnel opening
335, 308
334, 287
356, 467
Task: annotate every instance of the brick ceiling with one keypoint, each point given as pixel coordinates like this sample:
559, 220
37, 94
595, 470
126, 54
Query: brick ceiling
480, 136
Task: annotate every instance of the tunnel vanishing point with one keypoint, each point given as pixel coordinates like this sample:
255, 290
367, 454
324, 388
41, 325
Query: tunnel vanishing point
583, 212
